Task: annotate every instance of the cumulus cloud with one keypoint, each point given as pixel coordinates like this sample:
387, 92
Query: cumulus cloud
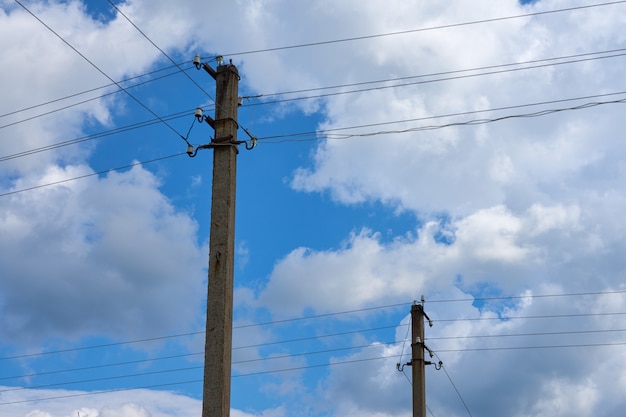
495, 246
522, 206
138, 403
463, 169
94, 259
109, 253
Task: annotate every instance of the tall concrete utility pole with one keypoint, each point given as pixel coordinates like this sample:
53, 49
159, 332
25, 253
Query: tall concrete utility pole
417, 363
219, 320
417, 360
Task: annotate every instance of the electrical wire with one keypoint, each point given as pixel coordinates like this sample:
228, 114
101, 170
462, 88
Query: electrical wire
308, 135
458, 77
263, 345
586, 54
577, 345
382, 307
432, 301
101, 71
322, 336
307, 353
305, 134
292, 355
176, 336
316, 133
406, 337
192, 368
311, 366
344, 348
101, 366
191, 381
183, 70
557, 333
91, 90
300, 368
35, 187
109, 391
151, 359
544, 316
425, 29
379, 133
317, 316
458, 393
160, 50
102, 378
78, 103
94, 136
66, 143
528, 296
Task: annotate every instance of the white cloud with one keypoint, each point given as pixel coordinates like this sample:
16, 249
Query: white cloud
105, 255
136, 403
464, 169
492, 245
534, 204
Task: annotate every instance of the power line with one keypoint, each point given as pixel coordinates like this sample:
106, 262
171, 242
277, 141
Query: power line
557, 333
189, 382
435, 127
528, 296
481, 121
323, 336
159, 338
101, 379
314, 89
577, 345
91, 90
192, 368
383, 307
78, 103
177, 65
260, 345
291, 355
404, 32
587, 54
83, 394
458, 77
101, 71
94, 136
545, 316
299, 368
106, 365
317, 316
104, 345
66, 143
454, 386
363, 330
316, 133
160, 50
152, 359
35, 187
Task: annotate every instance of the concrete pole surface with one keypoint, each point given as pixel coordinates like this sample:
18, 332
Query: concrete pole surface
219, 322
417, 362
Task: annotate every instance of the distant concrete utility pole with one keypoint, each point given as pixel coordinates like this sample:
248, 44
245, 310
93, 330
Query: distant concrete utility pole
418, 363
417, 360
219, 319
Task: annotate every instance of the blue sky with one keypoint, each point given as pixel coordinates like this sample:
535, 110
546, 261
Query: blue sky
480, 163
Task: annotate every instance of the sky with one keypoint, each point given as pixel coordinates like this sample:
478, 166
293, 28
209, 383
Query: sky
470, 152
